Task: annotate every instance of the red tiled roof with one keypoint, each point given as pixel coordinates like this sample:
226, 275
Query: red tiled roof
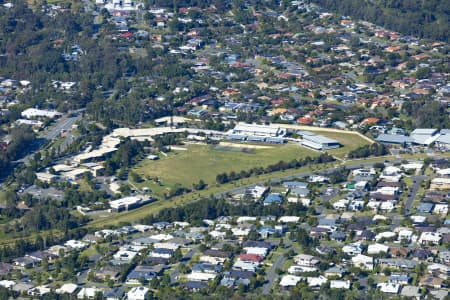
251, 257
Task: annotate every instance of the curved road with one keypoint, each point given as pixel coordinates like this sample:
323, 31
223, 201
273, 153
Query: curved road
272, 273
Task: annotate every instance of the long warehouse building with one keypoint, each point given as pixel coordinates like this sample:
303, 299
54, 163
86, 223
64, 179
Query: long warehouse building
318, 142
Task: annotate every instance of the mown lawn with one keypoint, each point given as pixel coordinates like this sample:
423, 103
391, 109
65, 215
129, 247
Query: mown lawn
155, 207
349, 141
203, 162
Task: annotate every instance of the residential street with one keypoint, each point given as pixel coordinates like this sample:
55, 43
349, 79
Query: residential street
272, 273
417, 181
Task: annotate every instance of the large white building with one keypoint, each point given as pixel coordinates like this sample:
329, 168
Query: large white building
128, 203
257, 133
424, 136
31, 113
318, 142
258, 130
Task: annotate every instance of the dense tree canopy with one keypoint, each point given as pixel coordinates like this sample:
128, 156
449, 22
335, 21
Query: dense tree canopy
425, 19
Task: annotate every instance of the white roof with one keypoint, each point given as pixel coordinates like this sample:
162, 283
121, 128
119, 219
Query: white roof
438, 267
418, 219
263, 129
440, 180
290, 280
424, 139
124, 255
137, 292
217, 234
33, 112
378, 217
199, 276
300, 269
75, 172
245, 219
443, 172
171, 246
45, 176
88, 292
181, 224
391, 170
316, 281
415, 166
362, 258
68, 288
430, 236
385, 234
62, 168
405, 233
305, 257
256, 250
161, 237
352, 248
174, 119
440, 209
240, 231
125, 201
387, 205
75, 244
373, 204
148, 133
387, 190
7, 283
377, 248
93, 154
424, 131
340, 284
387, 287
30, 122
39, 290
288, 219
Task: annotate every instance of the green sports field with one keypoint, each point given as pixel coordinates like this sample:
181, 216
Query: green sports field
186, 167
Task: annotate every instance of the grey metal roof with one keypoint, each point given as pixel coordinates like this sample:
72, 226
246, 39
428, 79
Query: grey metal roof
393, 139
444, 139
424, 131
316, 138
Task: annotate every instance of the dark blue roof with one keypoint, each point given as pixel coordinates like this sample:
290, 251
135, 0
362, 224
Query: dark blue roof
163, 251
273, 198
193, 285
204, 267
425, 207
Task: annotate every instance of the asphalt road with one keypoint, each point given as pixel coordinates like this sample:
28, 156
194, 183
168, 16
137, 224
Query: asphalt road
65, 123
62, 124
417, 180
272, 274
186, 258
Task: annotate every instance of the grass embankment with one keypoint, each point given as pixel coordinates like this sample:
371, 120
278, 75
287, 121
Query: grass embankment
155, 207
